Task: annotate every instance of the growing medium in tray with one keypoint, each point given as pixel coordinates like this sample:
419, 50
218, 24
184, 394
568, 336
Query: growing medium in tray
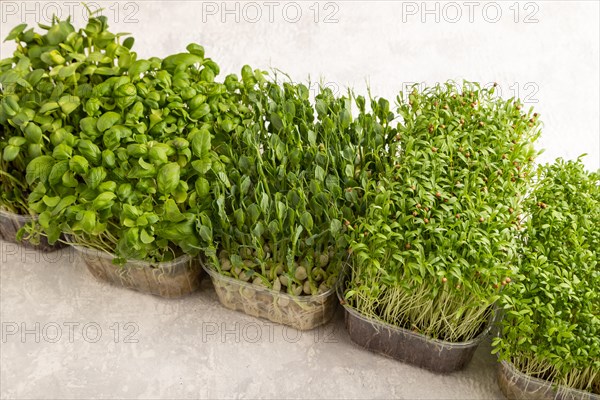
438, 240
551, 324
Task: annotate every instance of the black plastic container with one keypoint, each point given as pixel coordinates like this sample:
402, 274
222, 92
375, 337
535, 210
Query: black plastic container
517, 385
409, 347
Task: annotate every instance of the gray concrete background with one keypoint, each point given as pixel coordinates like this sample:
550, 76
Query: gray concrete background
94, 340
545, 52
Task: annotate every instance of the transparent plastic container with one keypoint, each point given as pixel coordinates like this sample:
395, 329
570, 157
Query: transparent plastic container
11, 223
300, 312
517, 385
172, 279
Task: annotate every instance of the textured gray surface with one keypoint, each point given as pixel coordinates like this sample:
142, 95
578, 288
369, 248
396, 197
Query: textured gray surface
186, 348
552, 63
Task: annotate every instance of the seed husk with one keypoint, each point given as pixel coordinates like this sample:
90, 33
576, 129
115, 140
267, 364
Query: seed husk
284, 280
323, 288
277, 285
258, 281
246, 252
225, 265
323, 260
296, 290
301, 274
245, 276
307, 288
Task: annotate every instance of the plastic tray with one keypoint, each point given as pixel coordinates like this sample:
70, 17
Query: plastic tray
169, 279
11, 223
517, 385
300, 312
405, 345
410, 347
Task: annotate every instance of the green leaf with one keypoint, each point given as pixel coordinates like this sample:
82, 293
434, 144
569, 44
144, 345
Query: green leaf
321, 107
202, 187
196, 49
10, 153
62, 204
68, 104
88, 221
33, 133
202, 166
68, 70
51, 201
106, 71
145, 237
205, 233
276, 122
79, 164
312, 138
128, 43
48, 107
57, 172
168, 178
108, 120
104, 200
39, 169
223, 178
307, 221
345, 118
349, 170
319, 173
201, 144
15, 32
201, 111
335, 226
95, 177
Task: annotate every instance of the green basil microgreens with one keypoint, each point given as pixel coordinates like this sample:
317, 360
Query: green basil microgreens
127, 154
551, 324
145, 195
438, 238
41, 90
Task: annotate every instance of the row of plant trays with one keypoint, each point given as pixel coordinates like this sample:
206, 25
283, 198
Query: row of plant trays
182, 276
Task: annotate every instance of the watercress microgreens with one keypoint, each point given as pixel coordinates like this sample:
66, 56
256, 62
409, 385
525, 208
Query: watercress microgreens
437, 241
551, 324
